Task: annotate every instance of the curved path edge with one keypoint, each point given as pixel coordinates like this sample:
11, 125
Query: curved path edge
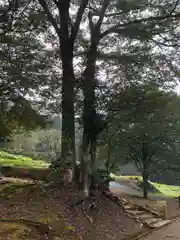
142, 235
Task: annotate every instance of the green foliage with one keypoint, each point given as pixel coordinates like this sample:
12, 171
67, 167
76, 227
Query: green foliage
144, 128
23, 69
27, 69
101, 175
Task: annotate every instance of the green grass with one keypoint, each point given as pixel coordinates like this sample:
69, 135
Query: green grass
167, 190
139, 178
7, 159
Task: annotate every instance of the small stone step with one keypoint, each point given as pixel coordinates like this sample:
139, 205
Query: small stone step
128, 207
135, 212
123, 200
151, 221
160, 223
146, 216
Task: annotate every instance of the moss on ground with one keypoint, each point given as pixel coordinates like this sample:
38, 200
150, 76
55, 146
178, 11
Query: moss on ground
20, 231
13, 187
60, 228
17, 231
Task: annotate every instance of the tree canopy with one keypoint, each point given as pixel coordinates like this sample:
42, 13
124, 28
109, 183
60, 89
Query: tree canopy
143, 130
90, 58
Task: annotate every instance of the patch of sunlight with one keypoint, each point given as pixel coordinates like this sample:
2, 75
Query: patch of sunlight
13, 160
168, 190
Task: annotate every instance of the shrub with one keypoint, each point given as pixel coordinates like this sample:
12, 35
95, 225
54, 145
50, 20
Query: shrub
101, 176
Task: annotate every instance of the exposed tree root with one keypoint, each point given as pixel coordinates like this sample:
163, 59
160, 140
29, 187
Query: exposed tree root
87, 205
87, 216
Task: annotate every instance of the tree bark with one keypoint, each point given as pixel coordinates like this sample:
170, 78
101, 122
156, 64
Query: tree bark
66, 39
145, 185
109, 153
89, 113
93, 147
88, 116
66, 50
84, 168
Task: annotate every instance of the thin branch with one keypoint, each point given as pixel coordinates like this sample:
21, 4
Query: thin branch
79, 54
137, 162
49, 15
25, 8
119, 58
137, 21
164, 44
55, 2
175, 6
91, 25
75, 27
103, 10
113, 14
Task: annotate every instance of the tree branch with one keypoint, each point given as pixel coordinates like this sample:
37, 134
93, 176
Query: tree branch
137, 163
55, 2
49, 15
163, 44
175, 6
103, 10
75, 27
91, 25
137, 21
123, 58
113, 14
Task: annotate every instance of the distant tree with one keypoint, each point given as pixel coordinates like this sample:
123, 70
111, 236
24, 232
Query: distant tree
145, 124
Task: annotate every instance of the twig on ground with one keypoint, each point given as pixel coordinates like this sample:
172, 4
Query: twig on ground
88, 217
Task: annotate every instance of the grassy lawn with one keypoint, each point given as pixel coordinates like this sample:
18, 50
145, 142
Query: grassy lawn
168, 190
7, 159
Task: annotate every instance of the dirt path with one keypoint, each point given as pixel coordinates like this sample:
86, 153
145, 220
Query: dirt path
170, 232
129, 187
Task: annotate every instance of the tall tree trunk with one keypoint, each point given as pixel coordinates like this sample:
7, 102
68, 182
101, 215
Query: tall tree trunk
109, 153
84, 161
66, 50
67, 35
89, 113
68, 131
145, 185
88, 116
93, 147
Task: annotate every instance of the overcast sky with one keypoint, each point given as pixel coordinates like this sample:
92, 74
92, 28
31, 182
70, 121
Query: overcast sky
178, 89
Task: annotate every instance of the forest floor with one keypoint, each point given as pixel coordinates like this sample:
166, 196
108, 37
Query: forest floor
28, 209
36, 210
